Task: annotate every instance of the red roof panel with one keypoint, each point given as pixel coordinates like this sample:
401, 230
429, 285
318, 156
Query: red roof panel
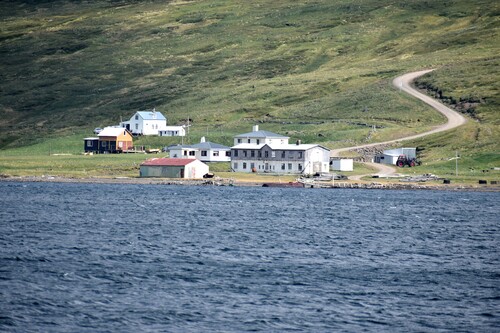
168, 161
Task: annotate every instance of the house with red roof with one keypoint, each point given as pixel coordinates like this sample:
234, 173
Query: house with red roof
186, 168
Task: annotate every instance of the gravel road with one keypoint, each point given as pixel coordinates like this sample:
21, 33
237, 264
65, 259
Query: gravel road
403, 83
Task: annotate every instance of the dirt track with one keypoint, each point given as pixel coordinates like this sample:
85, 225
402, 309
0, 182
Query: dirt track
403, 83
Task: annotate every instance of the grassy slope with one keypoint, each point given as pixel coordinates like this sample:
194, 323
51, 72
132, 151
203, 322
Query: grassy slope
316, 70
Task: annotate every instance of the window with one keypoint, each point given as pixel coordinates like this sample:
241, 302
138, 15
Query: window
89, 143
136, 117
248, 140
239, 140
260, 154
258, 141
244, 165
289, 166
228, 153
244, 153
266, 154
283, 154
300, 167
252, 166
120, 144
203, 153
216, 153
235, 153
185, 153
192, 153
103, 143
252, 153
235, 166
300, 154
273, 154
282, 166
136, 126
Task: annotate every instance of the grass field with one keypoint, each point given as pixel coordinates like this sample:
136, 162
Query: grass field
319, 71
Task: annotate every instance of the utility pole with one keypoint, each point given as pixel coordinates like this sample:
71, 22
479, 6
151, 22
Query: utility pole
456, 163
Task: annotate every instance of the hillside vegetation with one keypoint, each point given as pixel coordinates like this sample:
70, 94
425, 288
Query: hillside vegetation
317, 70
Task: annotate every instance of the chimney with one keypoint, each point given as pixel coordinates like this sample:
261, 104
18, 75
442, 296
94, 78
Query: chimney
298, 142
255, 128
202, 139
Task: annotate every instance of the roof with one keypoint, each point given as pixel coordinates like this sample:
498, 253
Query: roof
278, 146
168, 161
112, 131
201, 145
261, 134
151, 115
88, 139
209, 145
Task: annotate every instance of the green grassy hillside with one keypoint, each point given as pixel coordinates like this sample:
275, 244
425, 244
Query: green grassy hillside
317, 70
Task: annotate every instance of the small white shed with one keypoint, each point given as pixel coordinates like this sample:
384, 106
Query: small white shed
391, 156
344, 164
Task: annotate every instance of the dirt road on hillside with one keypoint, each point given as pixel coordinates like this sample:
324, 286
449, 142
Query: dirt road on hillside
403, 83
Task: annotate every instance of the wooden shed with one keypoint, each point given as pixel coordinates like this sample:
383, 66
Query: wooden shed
114, 140
186, 168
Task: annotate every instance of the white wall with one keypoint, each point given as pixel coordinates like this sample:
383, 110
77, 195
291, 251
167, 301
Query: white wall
196, 169
343, 165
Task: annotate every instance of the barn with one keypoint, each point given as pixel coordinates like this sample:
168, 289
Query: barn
186, 168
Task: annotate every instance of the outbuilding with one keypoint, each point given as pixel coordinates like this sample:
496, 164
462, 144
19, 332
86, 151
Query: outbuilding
391, 156
186, 168
342, 164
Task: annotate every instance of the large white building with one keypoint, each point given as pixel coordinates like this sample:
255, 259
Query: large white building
146, 123
262, 151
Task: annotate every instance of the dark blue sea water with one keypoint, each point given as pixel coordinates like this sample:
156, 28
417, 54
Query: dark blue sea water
155, 258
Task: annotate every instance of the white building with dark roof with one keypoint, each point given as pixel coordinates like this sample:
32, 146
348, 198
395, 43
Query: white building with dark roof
262, 151
205, 151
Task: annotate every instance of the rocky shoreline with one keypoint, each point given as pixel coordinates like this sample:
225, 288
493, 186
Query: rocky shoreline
233, 182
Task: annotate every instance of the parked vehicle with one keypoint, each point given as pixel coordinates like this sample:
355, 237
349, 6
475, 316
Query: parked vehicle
403, 160
97, 130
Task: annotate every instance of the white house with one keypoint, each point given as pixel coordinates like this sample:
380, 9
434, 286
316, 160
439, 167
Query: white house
391, 156
174, 168
205, 151
173, 131
258, 137
146, 123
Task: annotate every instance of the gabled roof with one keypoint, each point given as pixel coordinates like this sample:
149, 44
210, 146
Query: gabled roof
168, 161
261, 134
151, 115
112, 131
201, 145
209, 145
